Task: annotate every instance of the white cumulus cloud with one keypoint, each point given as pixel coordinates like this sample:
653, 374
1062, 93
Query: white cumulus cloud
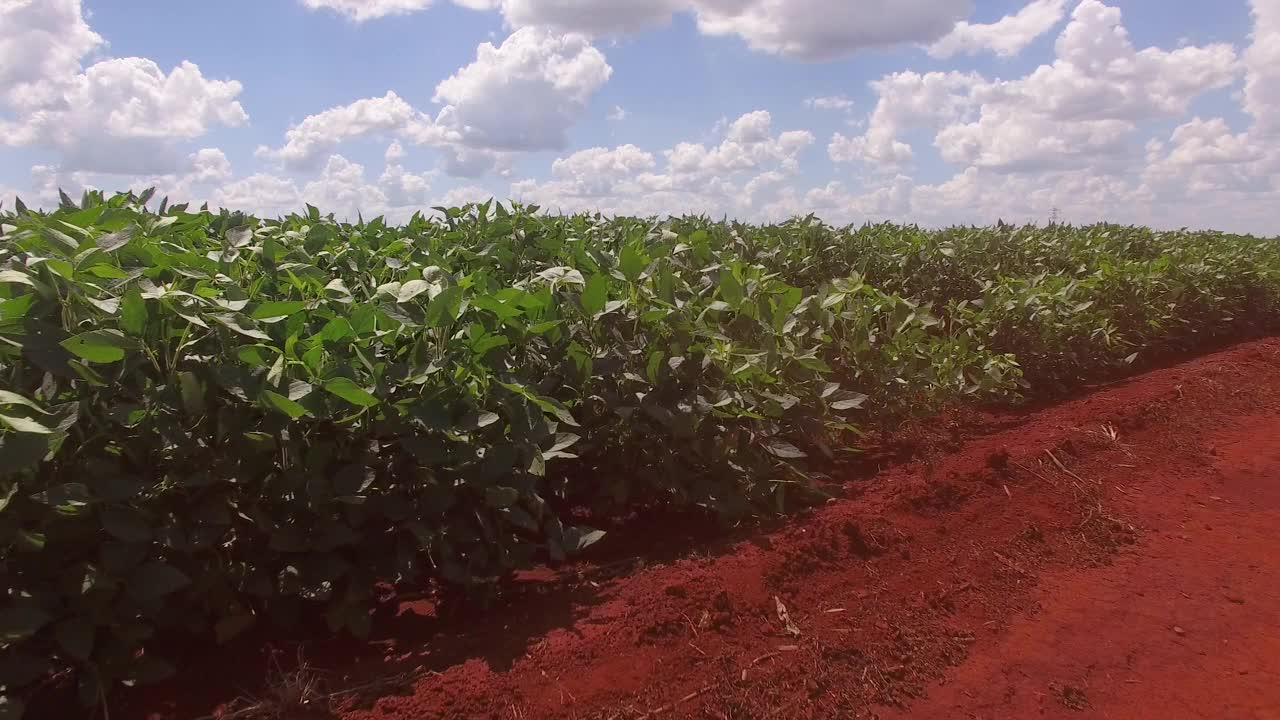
1005, 37
820, 29
119, 115
318, 135
523, 94
363, 10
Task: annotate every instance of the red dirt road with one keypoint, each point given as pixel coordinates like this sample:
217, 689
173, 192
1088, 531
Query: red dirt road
1113, 556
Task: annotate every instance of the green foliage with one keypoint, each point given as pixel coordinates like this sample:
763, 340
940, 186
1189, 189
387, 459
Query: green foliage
208, 421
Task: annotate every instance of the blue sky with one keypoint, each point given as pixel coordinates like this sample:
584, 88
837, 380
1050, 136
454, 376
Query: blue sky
937, 111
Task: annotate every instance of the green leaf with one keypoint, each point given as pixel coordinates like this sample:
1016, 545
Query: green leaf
337, 290
849, 401
193, 393
299, 389
24, 425
125, 523
730, 289
589, 538
445, 307
12, 398
547, 405
6, 496
133, 312
633, 261
545, 326
116, 240
279, 308
243, 325
255, 355
156, 579
411, 290
21, 621
284, 404
100, 346
596, 294
336, 329
75, 636
501, 497
107, 271
351, 392
65, 495
783, 449
562, 274
487, 343
13, 276
654, 364
57, 236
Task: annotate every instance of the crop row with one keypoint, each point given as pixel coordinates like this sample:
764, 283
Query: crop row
208, 422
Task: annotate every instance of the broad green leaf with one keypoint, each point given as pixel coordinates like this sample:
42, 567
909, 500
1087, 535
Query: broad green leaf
109, 272
487, 343
193, 393
116, 240
730, 289
156, 579
411, 290
255, 355
24, 425
337, 290
299, 389
589, 538
849, 401
563, 274
547, 405
133, 312
783, 449
61, 239
278, 308
13, 276
12, 398
243, 325
545, 326
633, 261
100, 346
501, 497
444, 309
125, 523
351, 392
284, 404
75, 636
654, 364
18, 622
65, 495
596, 294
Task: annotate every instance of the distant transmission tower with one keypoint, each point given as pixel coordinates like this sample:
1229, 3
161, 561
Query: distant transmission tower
1054, 216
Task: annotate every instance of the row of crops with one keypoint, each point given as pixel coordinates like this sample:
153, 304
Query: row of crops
210, 423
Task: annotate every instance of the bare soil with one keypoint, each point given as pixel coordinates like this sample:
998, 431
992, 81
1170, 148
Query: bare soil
1116, 555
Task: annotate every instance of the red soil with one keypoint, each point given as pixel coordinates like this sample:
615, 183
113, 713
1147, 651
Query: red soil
1024, 565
